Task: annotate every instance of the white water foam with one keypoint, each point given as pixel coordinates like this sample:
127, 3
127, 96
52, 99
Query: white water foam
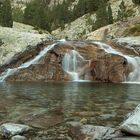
71, 64
134, 76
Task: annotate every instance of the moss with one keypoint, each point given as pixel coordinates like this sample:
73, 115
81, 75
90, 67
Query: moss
132, 31
130, 12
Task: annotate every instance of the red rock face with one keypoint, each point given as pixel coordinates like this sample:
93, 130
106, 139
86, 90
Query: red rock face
109, 68
98, 65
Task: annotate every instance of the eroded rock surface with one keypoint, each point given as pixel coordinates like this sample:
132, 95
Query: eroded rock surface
98, 65
17, 40
83, 132
132, 124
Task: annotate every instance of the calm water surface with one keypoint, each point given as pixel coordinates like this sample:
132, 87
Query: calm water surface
99, 103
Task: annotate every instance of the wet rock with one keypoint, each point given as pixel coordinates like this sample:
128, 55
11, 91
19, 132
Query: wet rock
97, 65
132, 43
127, 138
18, 137
109, 67
43, 121
82, 132
132, 124
11, 129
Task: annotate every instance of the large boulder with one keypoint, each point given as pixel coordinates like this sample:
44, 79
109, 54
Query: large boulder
132, 124
11, 129
83, 132
19, 39
93, 64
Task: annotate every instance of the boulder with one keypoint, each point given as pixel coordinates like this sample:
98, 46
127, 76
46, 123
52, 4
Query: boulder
127, 138
18, 137
18, 40
93, 63
11, 129
132, 124
82, 132
132, 43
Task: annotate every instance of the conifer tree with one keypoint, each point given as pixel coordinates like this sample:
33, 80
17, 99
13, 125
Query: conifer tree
122, 14
137, 2
6, 13
101, 14
35, 14
110, 17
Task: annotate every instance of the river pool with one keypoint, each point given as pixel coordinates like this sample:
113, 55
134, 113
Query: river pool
56, 102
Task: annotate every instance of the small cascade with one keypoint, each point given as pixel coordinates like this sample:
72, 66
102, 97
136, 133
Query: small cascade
35, 60
72, 64
134, 62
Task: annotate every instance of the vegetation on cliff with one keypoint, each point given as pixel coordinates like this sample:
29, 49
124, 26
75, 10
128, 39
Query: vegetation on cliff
61, 15
6, 14
38, 13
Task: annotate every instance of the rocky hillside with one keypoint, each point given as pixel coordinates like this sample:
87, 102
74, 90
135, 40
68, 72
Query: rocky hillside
18, 39
83, 25
116, 30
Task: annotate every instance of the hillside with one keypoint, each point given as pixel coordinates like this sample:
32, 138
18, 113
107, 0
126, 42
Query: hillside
84, 25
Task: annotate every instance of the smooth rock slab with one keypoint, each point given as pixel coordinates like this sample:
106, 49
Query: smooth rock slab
83, 132
18, 137
11, 129
132, 123
127, 138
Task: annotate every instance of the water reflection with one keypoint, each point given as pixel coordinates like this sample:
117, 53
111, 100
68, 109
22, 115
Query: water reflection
105, 103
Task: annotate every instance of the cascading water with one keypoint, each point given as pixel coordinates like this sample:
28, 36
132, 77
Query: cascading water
72, 64
12, 71
75, 65
134, 76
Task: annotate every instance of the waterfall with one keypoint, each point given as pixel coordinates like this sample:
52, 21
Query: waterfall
76, 66
35, 60
134, 76
72, 64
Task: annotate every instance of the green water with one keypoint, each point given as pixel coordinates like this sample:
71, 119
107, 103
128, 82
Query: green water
99, 103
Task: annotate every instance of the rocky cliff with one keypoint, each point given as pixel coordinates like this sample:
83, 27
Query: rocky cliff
18, 39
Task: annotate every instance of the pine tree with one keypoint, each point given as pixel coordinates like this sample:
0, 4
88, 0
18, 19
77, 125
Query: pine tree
101, 14
110, 17
137, 2
17, 14
122, 14
35, 14
6, 14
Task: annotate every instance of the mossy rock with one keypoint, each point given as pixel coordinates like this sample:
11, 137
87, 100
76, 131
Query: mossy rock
132, 31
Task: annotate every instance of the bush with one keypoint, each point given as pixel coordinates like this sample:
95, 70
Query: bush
133, 31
